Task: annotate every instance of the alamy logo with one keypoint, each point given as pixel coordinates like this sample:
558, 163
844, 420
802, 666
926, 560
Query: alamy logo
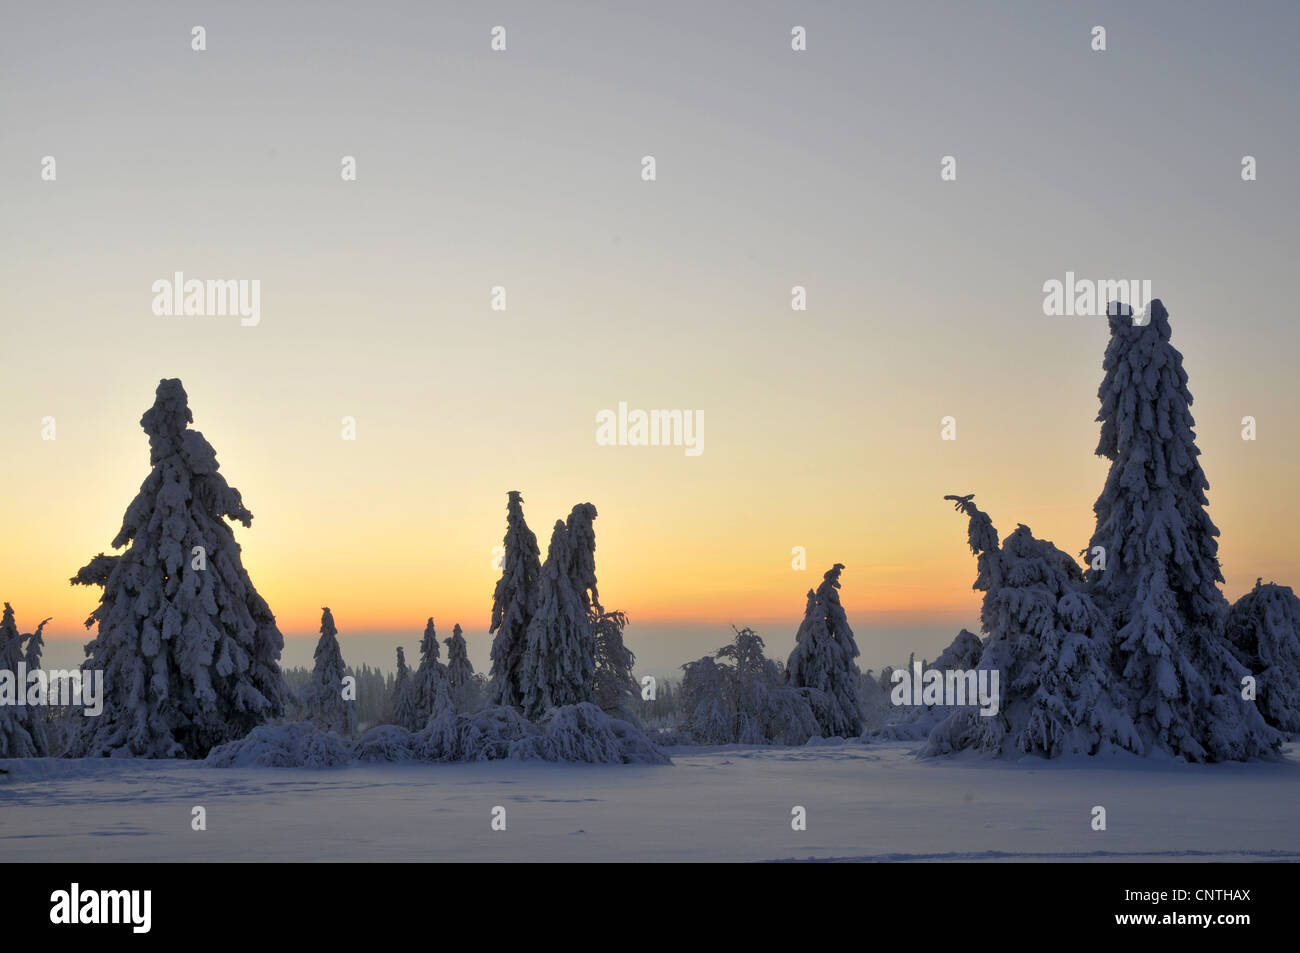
82, 688
654, 428
1084, 297
953, 688
179, 296
102, 906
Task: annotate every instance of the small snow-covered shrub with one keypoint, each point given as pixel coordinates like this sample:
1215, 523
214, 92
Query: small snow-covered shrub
297, 745
484, 735
385, 743
740, 696
1263, 627
580, 733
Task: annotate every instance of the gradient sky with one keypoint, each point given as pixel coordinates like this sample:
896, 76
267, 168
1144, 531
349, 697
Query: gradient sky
522, 168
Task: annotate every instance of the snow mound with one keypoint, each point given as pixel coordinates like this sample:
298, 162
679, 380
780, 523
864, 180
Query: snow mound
297, 745
579, 733
385, 743
575, 733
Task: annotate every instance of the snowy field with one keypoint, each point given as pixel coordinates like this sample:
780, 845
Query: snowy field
864, 802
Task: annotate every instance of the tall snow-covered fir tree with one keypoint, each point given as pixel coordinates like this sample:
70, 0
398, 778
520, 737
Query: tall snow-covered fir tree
1264, 628
403, 706
1161, 575
558, 666
189, 650
823, 659
513, 605
1049, 644
429, 686
322, 697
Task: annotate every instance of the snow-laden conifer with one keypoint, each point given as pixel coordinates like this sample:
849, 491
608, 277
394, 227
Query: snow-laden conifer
1159, 584
513, 604
189, 650
823, 659
1264, 628
323, 698
430, 690
559, 655
16, 728
1049, 645
403, 706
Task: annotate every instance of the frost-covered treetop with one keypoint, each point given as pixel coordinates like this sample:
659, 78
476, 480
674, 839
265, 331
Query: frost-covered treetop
581, 536
173, 447
429, 650
328, 646
982, 537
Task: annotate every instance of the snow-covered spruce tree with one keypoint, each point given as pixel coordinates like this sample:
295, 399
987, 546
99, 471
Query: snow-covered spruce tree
1049, 645
1264, 628
322, 697
513, 605
823, 659
1161, 575
189, 650
403, 706
558, 666
430, 690
614, 690
460, 672
16, 739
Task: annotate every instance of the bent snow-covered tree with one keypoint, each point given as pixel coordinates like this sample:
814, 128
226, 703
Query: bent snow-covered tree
558, 666
1161, 572
580, 536
1049, 645
22, 726
1264, 628
513, 605
189, 650
323, 697
33, 647
823, 659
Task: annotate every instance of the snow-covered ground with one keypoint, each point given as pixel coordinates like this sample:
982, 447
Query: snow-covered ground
863, 802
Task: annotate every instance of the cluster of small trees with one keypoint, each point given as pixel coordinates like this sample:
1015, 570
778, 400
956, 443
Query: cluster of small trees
740, 696
554, 644
22, 727
1140, 652
337, 698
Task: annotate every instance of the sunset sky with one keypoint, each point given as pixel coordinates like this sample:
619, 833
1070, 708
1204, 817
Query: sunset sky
522, 169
